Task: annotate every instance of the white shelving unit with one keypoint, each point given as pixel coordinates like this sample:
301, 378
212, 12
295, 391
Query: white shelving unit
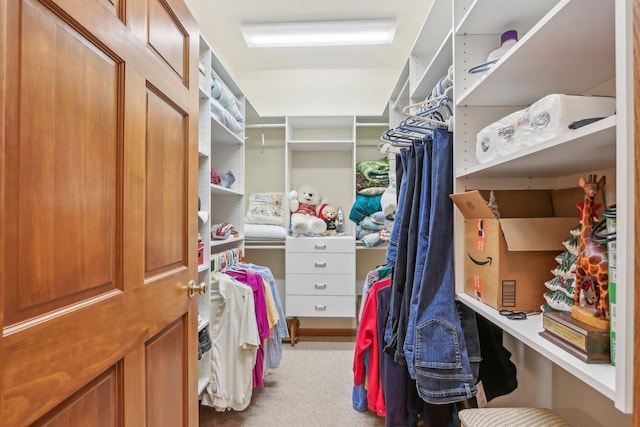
558, 52
223, 150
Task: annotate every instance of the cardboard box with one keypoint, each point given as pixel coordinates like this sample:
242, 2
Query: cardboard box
507, 260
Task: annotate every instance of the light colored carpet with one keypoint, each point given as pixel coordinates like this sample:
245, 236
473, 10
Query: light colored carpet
311, 388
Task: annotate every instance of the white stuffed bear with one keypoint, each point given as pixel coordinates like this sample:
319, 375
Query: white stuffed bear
304, 205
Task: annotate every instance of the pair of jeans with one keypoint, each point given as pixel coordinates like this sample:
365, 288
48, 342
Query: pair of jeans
400, 235
410, 258
446, 345
422, 234
401, 169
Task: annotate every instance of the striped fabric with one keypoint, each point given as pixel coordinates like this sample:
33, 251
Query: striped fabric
510, 417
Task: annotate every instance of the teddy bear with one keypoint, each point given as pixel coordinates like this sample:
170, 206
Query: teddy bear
328, 214
304, 204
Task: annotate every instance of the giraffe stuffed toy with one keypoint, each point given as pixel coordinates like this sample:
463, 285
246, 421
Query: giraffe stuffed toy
592, 258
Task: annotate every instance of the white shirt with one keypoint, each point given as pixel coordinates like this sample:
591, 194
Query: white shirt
235, 342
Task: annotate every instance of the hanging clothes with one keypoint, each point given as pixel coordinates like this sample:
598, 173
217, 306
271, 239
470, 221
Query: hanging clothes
254, 281
232, 365
446, 357
367, 340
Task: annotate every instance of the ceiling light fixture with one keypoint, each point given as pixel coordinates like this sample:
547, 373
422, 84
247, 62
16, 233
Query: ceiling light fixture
326, 33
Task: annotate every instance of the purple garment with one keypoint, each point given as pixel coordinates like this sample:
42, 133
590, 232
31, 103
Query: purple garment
254, 281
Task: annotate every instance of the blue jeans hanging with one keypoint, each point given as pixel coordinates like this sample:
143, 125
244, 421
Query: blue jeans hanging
446, 358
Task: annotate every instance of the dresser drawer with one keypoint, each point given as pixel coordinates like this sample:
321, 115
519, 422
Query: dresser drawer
321, 306
320, 263
321, 244
320, 284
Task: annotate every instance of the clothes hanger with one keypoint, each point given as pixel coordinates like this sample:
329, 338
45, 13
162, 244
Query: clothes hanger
400, 139
426, 103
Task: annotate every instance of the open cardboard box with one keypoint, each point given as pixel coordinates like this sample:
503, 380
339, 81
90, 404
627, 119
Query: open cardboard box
507, 260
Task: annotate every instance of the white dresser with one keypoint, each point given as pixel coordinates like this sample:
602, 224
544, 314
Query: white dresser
320, 277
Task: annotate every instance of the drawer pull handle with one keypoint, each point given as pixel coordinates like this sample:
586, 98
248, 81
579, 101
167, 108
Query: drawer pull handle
320, 307
321, 286
323, 246
320, 264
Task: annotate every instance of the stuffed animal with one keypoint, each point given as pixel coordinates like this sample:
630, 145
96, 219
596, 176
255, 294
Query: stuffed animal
304, 204
328, 214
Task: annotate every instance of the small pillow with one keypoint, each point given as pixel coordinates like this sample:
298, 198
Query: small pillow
266, 208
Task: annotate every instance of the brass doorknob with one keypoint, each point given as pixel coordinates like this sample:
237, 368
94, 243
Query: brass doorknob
194, 288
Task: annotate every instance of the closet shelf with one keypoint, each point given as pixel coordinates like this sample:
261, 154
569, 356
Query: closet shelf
202, 384
202, 154
591, 147
219, 243
434, 29
264, 244
402, 99
203, 268
220, 134
320, 145
600, 376
569, 46
434, 71
217, 189
481, 16
203, 324
371, 125
202, 93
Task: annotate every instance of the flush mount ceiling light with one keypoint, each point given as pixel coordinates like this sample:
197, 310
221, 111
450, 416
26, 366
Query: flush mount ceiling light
326, 33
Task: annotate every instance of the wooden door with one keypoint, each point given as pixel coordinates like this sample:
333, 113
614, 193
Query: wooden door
98, 184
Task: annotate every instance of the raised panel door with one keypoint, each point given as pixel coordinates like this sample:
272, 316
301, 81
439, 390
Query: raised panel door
98, 189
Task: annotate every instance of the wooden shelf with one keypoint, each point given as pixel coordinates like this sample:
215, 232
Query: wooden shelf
264, 244
599, 376
590, 147
217, 189
520, 15
434, 71
329, 145
556, 56
220, 134
218, 243
202, 384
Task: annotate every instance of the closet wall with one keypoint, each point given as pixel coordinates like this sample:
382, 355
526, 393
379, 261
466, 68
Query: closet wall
558, 52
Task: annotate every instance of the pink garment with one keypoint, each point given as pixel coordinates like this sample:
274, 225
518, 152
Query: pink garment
367, 339
254, 281
306, 209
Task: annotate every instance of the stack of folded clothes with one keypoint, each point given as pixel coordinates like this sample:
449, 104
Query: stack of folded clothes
372, 225
223, 231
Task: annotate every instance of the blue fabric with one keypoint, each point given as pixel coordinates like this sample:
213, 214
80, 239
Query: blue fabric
273, 348
412, 251
399, 271
446, 358
422, 231
359, 398
364, 206
392, 248
392, 375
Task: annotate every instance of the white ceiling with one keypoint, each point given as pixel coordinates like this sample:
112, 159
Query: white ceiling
318, 80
